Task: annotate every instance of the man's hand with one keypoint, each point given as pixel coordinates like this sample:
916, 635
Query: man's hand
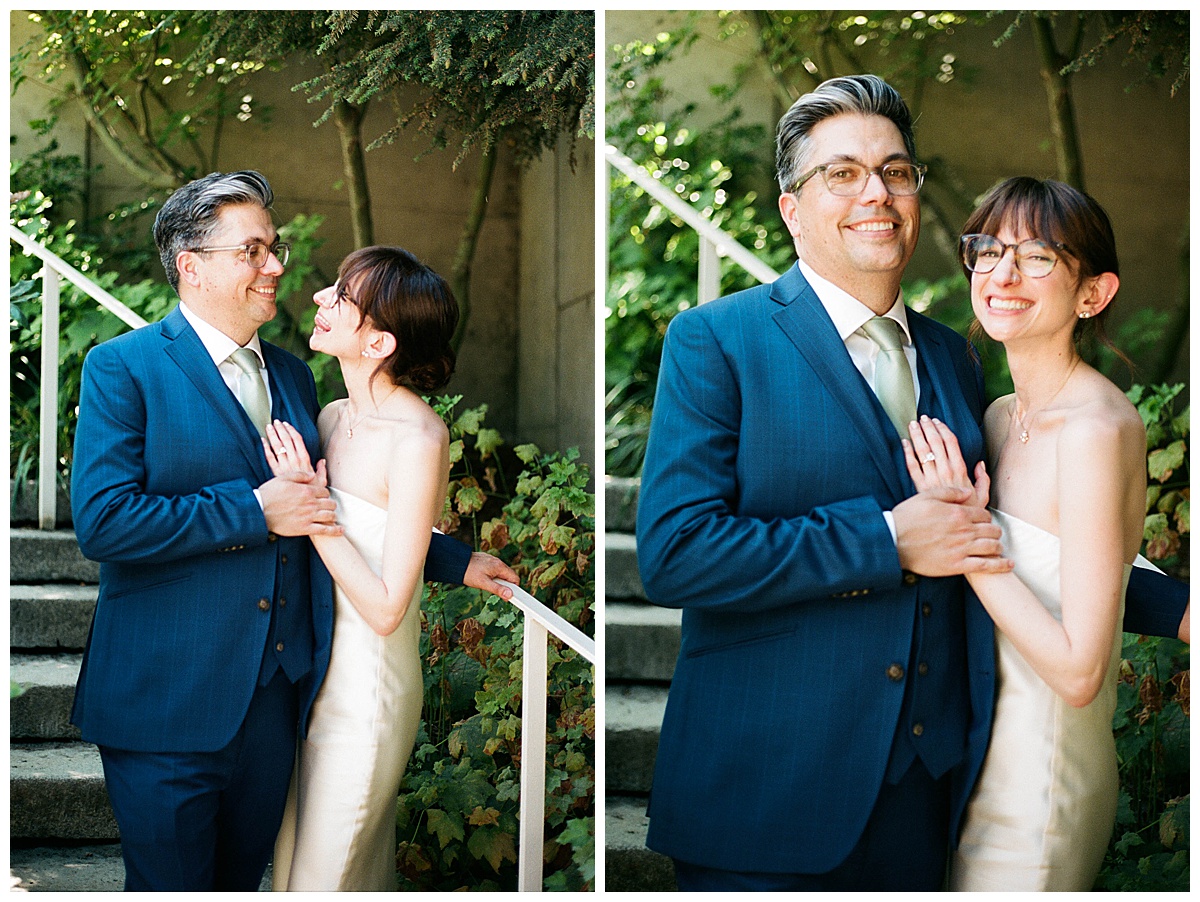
938, 533
484, 569
300, 508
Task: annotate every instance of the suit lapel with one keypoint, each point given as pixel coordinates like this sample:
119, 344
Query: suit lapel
188, 352
807, 325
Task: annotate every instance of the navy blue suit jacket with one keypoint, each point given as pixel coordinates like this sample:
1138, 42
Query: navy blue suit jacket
165, 465
769, 465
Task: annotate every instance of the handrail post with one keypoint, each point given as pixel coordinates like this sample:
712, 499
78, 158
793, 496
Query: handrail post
533, 758
48, 403
708, 282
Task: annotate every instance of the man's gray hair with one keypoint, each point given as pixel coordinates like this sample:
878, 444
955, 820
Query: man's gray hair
868, 95
189, 216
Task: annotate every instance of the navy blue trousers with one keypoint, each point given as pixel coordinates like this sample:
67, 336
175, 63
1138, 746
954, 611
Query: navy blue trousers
194, 821
903, 847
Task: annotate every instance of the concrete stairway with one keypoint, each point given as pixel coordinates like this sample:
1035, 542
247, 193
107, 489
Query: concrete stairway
641, 643
62, 833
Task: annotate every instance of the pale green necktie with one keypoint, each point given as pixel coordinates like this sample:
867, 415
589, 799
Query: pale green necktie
893, 375
252, 390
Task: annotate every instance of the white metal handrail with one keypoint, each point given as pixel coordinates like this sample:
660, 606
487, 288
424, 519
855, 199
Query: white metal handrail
714, 243
540, 622
54, 269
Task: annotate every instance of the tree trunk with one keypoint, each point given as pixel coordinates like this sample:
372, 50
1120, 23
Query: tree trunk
1062, 106
460, 272
349, 125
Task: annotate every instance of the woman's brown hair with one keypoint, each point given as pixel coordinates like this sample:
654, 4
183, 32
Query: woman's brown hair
401, 295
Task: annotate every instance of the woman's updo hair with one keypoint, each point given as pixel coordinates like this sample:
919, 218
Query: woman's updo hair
1062, 216
403, 296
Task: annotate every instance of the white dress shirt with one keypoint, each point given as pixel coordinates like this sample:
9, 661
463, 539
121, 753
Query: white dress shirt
220, 346
848, 315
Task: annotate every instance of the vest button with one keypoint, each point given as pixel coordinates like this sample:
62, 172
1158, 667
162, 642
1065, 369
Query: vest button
922, 668
926, 610
283, 602
271, 537
264, 604
895, 673
283, 559
918, 729
910, 579
279, 647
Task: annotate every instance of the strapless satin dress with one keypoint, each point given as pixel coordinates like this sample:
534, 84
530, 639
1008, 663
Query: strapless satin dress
1042, 813
339, 829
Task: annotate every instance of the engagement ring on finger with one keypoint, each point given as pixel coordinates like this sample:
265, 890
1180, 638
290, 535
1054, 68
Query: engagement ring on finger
281, 451
929, 458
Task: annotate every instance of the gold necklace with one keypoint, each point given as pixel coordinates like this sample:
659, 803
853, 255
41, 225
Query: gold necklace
354, 422
1024, 436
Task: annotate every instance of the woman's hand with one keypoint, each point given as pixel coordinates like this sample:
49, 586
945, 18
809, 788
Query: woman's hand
934, 459
287, 456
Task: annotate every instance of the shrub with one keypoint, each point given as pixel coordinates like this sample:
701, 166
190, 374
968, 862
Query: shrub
457, 813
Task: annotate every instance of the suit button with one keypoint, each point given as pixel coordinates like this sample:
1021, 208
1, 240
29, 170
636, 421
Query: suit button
895, 673
922, 668
283, 602
926, 610
910, 579
264, 604
918, 729
279, 647
271, 537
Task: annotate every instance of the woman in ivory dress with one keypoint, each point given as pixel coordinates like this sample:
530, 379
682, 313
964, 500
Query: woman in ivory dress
1066, 455
388, 321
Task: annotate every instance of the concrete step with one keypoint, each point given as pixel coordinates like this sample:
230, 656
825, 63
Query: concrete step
50, 617
69, 869
23, 510
43, 556
641, 642
43, 710
621, 577
633, 716
56, 791
628, 865
620, 503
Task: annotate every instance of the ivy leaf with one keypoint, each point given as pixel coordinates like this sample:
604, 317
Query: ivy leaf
443, 826
487, 441
456, 450
491, 845
1165, 461
527, 453
470, 497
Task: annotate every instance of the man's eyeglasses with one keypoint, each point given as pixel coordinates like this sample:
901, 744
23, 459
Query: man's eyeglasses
1033, 257
256, 255
848, 179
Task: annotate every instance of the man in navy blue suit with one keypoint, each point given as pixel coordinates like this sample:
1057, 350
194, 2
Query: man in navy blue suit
832, 699
212, 629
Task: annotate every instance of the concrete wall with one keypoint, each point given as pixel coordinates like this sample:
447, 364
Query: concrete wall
1135, 143
557, 315
419, 204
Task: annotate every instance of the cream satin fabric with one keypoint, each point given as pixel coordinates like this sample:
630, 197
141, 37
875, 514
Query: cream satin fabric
1043, 809
339, 829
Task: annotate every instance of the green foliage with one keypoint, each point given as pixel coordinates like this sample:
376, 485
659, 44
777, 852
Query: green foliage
159, 112
1151, 845
521, 76
457, 813
653, 256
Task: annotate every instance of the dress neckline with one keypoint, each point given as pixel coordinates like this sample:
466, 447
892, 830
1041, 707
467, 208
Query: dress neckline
344, 494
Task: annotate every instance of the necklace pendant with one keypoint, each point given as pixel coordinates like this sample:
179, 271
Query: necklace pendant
1024, 436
